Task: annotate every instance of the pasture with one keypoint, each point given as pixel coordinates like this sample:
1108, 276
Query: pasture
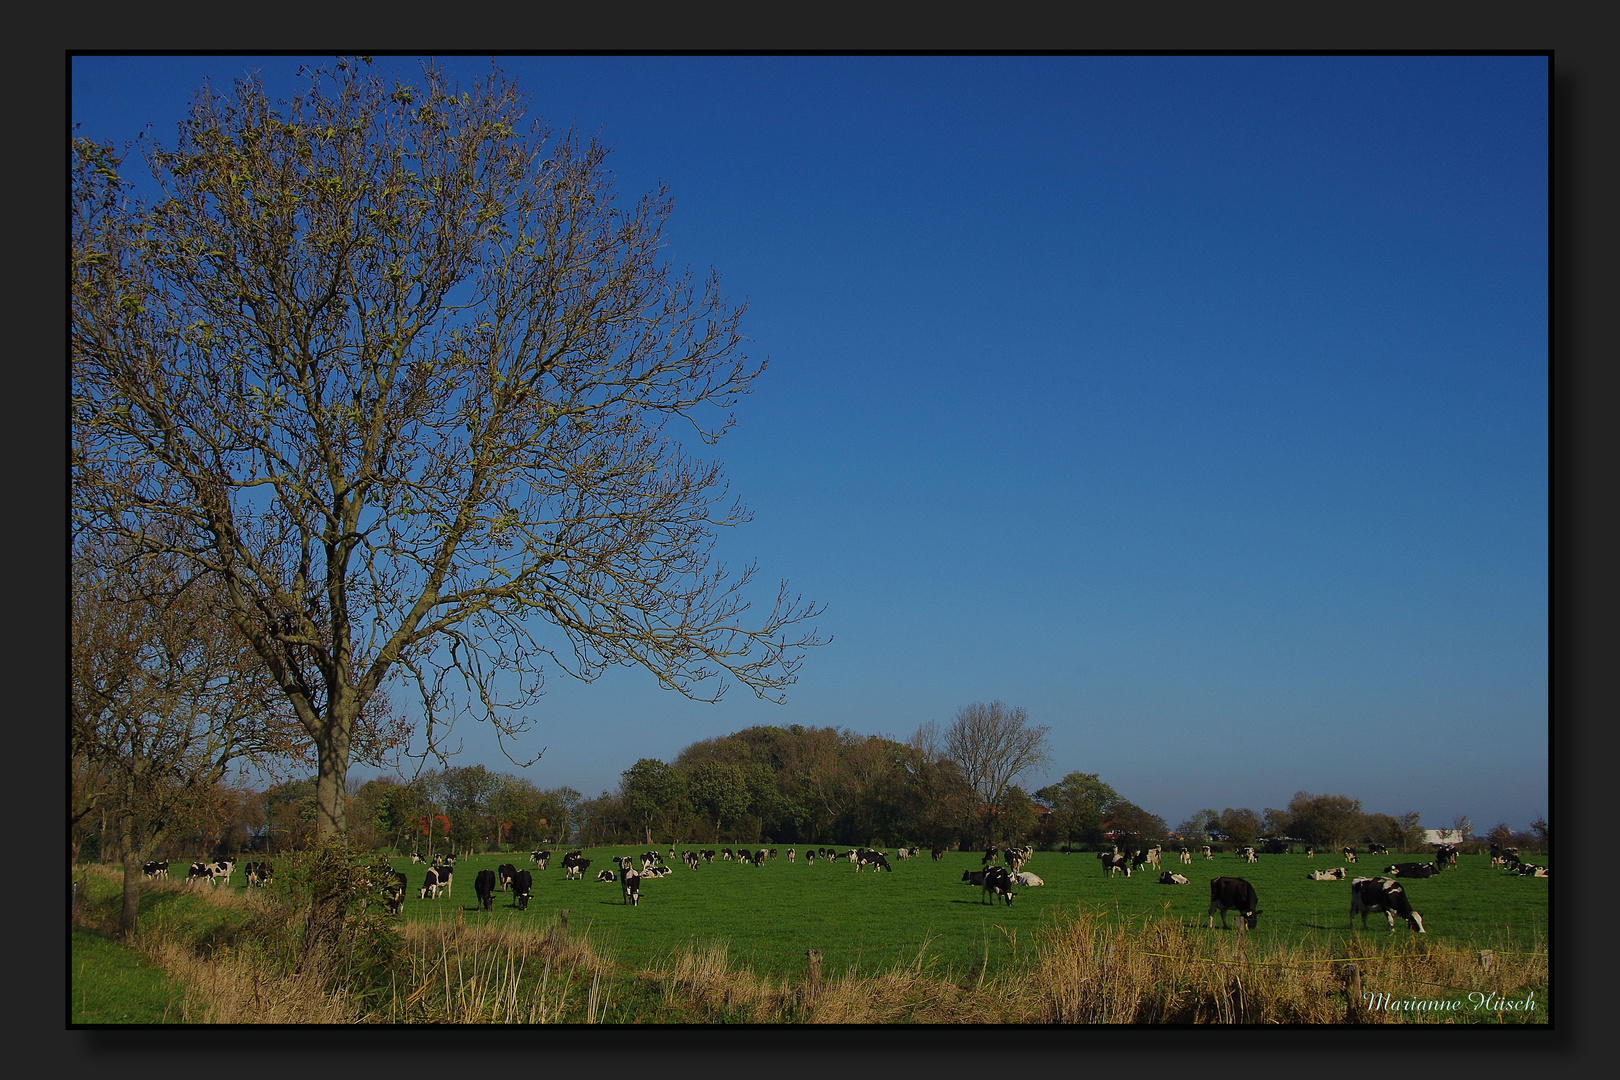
921, 916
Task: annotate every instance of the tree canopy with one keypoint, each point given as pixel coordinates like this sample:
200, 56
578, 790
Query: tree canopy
398, 369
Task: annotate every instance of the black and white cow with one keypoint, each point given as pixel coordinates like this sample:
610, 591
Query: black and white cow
1377, 849
1380, 894
1338, 873
1233, 894
522, 887
1186, 857
198, 872
1248, 854
1207, 853
1413, 870
1113, 862
1167, 878
997, 882
438, 877
1349, 854
540, 858
760, 856
607, 876
1445, 855
937, 853
484, 887
630, 884
258, 873
159, 869
1027, 880
874, 859
503, 874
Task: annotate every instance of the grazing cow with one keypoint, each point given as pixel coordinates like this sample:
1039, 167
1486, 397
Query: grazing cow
522, 887
773, 852
1113, 862
1445, 855
1338, 873
997, 882
1349, 854
1233, 894
990, 855
394, 894
630, 884
484, 887
937, 853
1412, 870
1248, 854
1167, 878
760, 856
540, 858
1139, 859
1380, 894
198, 872
874, 859
156, 869
1027, 879
1377, 849
438, 877
809, 858
1016, 857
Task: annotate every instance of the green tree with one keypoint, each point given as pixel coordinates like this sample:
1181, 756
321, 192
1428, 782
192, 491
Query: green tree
1132, 825
1241, 826
1080, 803
410, 376
650, 788
1326, 820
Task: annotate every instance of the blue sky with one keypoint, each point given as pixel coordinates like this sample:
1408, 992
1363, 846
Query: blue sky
1199, 405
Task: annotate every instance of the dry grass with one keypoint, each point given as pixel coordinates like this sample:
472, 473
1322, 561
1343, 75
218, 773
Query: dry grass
1081, 968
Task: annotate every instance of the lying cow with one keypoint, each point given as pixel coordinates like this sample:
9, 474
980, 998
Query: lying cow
607, 876
1380, 894
1167, 878
1413, 870
1338, 873
1027, 879
1233, 894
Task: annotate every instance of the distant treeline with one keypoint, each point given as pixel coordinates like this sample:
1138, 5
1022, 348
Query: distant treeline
782, 785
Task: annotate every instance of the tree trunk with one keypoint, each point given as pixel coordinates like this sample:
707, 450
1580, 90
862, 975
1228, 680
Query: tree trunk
133, 859
331, 811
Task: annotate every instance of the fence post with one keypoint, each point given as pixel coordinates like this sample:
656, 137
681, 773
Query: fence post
1487, 960
814, 986
1350, 974
565, 919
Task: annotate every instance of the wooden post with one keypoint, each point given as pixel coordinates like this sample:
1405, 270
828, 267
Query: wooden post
565, 918
1350, 974
814, 986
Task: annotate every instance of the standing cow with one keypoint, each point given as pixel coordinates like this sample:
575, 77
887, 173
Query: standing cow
1233, 894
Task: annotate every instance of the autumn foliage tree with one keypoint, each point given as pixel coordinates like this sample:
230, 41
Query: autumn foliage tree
411, 382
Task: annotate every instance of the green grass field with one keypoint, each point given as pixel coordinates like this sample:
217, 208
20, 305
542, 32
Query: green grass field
871, 921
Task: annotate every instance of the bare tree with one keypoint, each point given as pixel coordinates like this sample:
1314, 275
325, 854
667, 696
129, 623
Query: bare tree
993, 745
163, 697
414, 379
